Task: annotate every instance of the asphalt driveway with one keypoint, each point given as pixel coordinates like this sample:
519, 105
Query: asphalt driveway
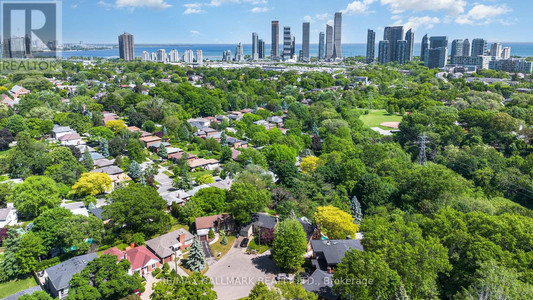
235, 274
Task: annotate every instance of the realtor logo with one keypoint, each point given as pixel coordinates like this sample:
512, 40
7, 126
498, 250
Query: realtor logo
29, 26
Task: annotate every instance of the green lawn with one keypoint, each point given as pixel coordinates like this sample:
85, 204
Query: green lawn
253, 246
223, 249
120, 247
17, 285
376, 117
179, 226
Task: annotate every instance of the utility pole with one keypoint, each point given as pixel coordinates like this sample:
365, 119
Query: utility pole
422, 146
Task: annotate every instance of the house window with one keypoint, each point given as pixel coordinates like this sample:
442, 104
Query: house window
153, 266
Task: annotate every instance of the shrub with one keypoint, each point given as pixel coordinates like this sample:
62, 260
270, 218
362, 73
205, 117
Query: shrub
156, 271
211, 234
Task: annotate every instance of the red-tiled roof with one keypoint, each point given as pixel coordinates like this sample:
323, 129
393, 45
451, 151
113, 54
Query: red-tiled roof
209, 221
114, 251
139, 257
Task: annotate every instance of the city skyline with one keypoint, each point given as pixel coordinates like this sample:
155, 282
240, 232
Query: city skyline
497, 22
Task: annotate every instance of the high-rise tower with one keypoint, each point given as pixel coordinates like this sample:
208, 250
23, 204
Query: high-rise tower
126, 47
337, 47
274, 52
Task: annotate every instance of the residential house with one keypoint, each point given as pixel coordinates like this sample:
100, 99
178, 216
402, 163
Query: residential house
108, 116
260, 222
114, 251
178, 155
167, 246
133, 129
199, 122
216, 223
115, 173
73, 139
59, 131
8, 217
206, 164
76, 208
179, 197
321, 283
142, 260
326, 255
104, 162
57, 278
236, 143
149, 140
18, 91
7, 101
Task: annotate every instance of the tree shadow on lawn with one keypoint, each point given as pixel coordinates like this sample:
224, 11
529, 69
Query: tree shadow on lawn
265, 264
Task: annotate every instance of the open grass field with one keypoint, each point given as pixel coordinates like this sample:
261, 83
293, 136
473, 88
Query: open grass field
376, 117
17, 285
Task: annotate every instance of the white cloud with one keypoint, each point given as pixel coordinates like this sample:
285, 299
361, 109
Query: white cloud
193, 8
154, 4
195, 32
420, 22
322, 16
453, 7
259, 9
197, 8
358, 7
217, 3
308, 19
105, 5
483, 14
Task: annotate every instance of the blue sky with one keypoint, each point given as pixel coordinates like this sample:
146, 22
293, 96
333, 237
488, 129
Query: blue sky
232, 21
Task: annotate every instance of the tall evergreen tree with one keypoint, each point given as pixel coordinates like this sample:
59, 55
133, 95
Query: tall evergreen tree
163, 153
315, 130
134, 171
223, 139
196, 259
355, 207
87, 160
104, 147
165, 131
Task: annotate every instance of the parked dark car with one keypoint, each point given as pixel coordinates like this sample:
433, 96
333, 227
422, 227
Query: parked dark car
244, 242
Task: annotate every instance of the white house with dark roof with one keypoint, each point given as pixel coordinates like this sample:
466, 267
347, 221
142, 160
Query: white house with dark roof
8, 217
57, 278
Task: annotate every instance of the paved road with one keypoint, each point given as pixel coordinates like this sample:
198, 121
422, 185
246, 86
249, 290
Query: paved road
207, 250
235, 274
165, 182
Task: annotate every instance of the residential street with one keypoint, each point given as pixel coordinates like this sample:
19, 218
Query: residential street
236, 273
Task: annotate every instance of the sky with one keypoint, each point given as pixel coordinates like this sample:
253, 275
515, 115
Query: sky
233, 21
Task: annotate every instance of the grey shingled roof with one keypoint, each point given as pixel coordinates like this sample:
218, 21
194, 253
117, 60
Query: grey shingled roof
60, 275
264, 221
161, 244
334, 250
320, 282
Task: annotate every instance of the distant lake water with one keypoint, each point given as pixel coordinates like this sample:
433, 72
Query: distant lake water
214, 51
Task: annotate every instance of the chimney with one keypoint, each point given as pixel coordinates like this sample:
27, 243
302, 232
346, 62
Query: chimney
132, 245
182, 241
